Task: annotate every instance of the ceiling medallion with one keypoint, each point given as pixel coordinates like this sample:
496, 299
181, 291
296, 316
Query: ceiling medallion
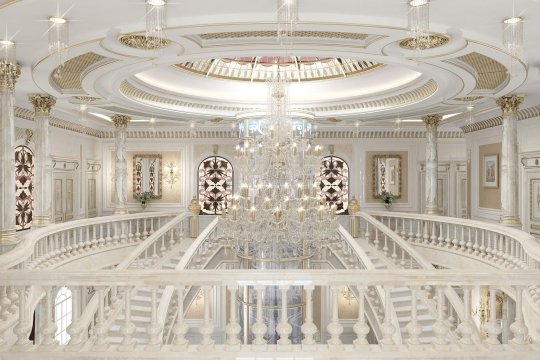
143, 42
433, 41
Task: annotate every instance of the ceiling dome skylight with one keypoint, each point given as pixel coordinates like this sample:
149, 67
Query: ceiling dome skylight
261, 68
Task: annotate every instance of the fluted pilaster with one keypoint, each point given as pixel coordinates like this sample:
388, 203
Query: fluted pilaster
432, 163
509, 161
43, 105
120, 180
8, 76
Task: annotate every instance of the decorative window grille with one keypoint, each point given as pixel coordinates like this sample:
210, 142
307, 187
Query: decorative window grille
334, 183
215, 184
24, 174
62, 314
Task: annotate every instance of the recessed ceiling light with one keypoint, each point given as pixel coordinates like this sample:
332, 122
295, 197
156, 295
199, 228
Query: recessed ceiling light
513, 20
57, 20
418, 2
156, 2
6, 42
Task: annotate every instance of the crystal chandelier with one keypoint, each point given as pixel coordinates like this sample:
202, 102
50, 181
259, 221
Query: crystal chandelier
156, 23
287, 18
419, 23
513, 36
59, 39
279, 216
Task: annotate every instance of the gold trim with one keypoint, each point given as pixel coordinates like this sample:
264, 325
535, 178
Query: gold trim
434, 41
524, 114
143, 42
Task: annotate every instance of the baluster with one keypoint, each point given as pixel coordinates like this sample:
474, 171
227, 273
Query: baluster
163, 248
100, 329
403, 231
361, 328
482, 248
385, 247
180, 328
108, 238
518, 327
440, 328
433, 237
466, 327
413, 328
145, 232
23, 327
13, 297
128, 328
116, 233
476, 247
101, 240
171, 240
137, 233
309, 329
5, 303
411, 234
130, 231
402, 263
418, 231
259, 327
207, 328
85, 240
488, 247
387, 328
75, 330
500, 253
94, 242
335, 329
425, 237
448, 240
233, 328
57, 247
462, 242
492, 328
283, 328
455, 241
366, 235
469, 243
151, 227
376, 241
122, 226
48, 329
154, 329
70, 241
394, 254
441, 237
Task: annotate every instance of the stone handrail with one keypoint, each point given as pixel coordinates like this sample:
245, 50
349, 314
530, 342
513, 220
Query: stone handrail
49, 241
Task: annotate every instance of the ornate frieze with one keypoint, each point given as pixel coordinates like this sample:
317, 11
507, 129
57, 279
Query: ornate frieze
143, 42
510, 103
434, 41
120, 121
9, 73
43, 103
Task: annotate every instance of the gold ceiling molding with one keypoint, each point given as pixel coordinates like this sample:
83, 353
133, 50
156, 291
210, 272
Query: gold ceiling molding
136, 94
273, 34
86, 99
523, 114
384, 134
26, 114
411, 97
68, 77
469, 98
435, 40
143, 42
490, 73
175, 134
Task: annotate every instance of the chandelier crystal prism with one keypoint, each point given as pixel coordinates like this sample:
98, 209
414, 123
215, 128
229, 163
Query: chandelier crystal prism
419, 24
156, 23
287, 18
58, 39
513, 36
279, 216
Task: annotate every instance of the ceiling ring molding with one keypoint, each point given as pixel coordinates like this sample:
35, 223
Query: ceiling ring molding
523, 114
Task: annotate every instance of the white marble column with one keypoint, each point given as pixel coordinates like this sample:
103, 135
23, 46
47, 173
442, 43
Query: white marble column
120, 173
42, 214
432, 163
9, 73
509, 161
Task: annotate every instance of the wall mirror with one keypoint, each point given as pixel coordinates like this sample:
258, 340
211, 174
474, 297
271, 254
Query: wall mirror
387, 175
147, 175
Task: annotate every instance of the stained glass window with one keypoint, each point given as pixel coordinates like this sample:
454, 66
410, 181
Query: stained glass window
334, 183
215, 184
24, 173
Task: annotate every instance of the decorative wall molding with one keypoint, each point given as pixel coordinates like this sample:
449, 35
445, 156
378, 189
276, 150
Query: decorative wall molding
524, 114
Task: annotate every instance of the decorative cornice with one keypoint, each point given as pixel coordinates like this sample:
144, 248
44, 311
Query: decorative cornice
433, 41
509, 104
384, 134
43, 103
432, 121
273, 34
9, 73
120, 121
143, 42
497, 120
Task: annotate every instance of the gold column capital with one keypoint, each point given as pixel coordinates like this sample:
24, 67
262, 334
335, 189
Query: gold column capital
120, 121
9, 73
43, 103
509, 103
432, 120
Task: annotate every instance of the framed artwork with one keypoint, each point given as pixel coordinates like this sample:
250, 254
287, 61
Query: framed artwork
535, 200
491, 171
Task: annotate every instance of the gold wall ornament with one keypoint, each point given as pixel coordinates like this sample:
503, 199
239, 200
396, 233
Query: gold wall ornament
87, 99
354, 206
120, 121
43, 103
9, 73
431, 42
509, 103
432, 120
28, 135
194, 206
143, 42
273, 34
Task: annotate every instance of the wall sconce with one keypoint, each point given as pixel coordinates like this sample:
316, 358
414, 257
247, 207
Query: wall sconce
171, 174
347, 294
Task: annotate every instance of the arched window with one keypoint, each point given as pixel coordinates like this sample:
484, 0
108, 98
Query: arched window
24, 173
215, 184
334, 183
62, 314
